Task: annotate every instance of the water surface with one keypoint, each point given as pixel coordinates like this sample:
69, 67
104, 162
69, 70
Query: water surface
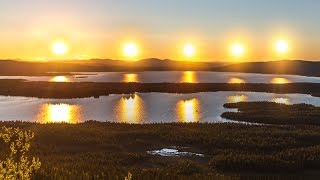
137, 108
172, 77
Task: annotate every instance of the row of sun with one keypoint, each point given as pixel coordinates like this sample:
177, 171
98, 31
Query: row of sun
131, 49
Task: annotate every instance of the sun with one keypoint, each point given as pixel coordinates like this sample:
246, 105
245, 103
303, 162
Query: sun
282, 46
130, 50
237, 50
189, 50
59, 48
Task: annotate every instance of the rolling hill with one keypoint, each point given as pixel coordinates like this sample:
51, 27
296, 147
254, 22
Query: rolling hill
293, 67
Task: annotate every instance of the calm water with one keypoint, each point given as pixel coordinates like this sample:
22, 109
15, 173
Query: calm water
173, 77
138, 108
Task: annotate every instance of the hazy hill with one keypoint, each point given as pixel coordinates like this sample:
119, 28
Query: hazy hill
98, 65
9, 67
297, 67
153, 64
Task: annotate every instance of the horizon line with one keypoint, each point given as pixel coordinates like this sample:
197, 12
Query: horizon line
159, 59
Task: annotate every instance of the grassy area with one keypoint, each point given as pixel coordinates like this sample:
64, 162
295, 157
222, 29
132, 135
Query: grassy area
232, 151
273, 113
80, 90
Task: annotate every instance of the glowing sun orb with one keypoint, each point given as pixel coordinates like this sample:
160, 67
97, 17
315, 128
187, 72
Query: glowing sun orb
59, 48
282, 46
130, 50
189, 50
237, 50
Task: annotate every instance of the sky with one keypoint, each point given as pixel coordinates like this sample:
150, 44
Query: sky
160, 29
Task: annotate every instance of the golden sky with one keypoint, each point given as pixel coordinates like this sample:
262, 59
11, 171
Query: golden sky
227, 31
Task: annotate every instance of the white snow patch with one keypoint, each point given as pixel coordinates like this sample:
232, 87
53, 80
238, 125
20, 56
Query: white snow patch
173, 153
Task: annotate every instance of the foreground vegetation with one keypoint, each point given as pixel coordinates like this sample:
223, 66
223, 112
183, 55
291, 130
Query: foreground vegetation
110, 151
16, 164
273, 113
81, 90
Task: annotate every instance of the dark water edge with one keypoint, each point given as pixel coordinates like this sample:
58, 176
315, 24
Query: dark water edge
81, 90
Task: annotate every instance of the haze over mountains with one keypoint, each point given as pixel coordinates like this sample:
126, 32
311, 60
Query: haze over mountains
291, 67
294, 67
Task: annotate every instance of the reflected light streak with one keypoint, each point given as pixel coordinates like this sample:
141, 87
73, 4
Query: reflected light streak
237, 99
59, 79
59, 113
189, 77
282, 101
188, 111
130, 78
236, 81
280, 81
130, 110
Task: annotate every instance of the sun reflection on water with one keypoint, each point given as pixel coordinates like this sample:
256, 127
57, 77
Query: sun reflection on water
59, 113
188, 111
280, 81
236, 81
286, 101
130, 78
59, 79
237, 98
189, 77
130, 110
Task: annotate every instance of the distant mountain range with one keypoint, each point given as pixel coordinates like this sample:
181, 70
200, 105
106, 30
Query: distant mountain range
294, 67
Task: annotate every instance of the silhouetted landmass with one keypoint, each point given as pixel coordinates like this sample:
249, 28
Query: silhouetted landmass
96, 150
8, 67
88, 89
292, 67
273, 113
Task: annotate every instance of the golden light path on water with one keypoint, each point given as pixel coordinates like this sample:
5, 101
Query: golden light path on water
130, 110
129, 78
188, 111
59, 79
237, 98
280, 81
59, 113
133, 109
282, 100
236, 81
189, 77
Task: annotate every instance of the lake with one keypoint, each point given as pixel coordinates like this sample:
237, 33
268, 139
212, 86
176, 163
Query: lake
137, 108
172, 77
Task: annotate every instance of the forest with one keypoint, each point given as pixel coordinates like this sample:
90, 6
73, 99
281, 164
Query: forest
231, 151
